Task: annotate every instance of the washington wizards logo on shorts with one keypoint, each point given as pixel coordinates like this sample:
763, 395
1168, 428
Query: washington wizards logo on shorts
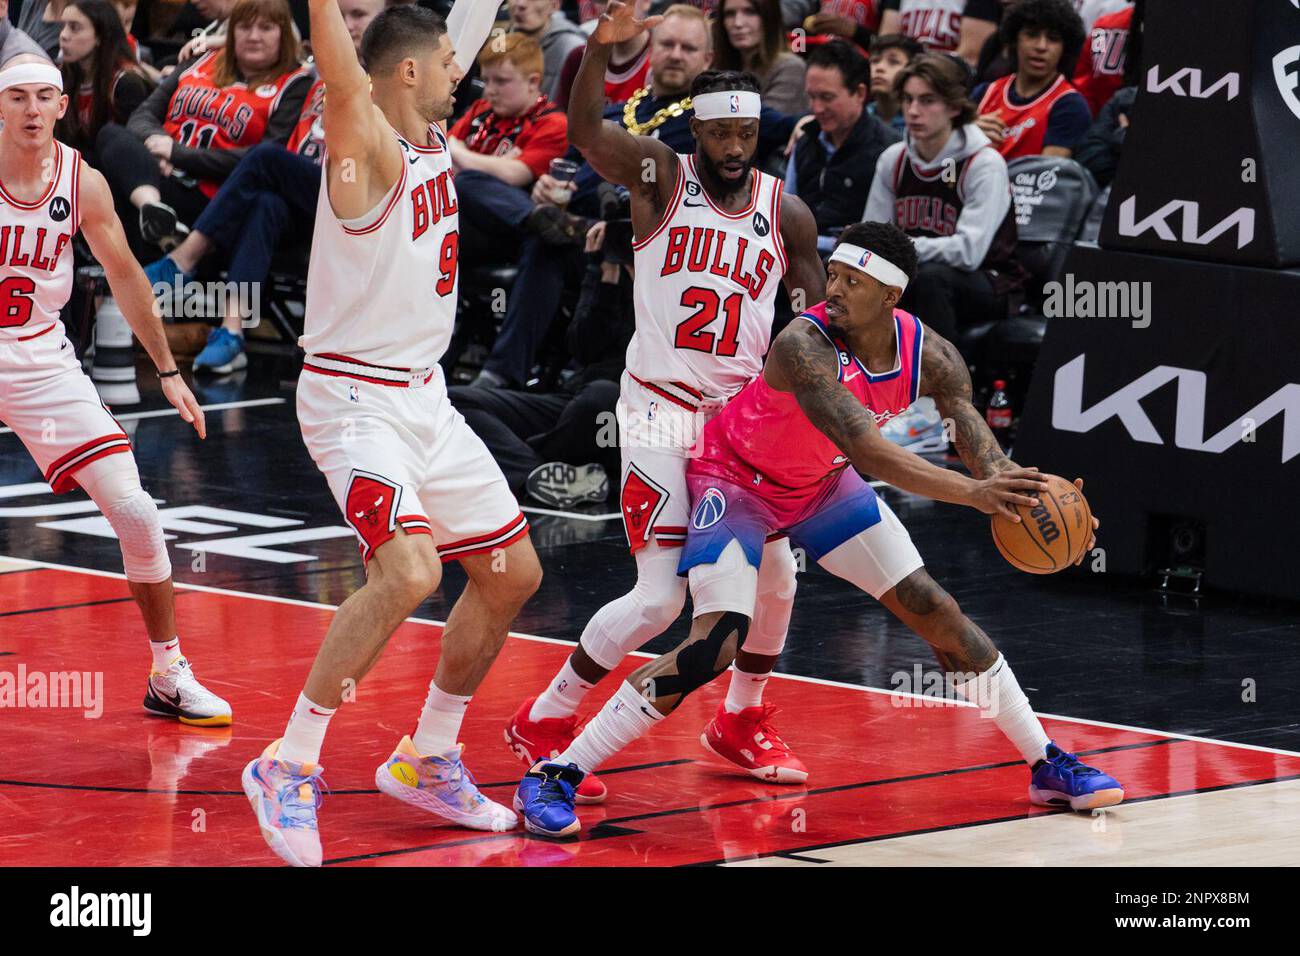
709, 511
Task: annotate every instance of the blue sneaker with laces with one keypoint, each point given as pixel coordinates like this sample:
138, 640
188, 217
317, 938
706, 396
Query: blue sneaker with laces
1063, 779
285, 797
545, 799
223, 354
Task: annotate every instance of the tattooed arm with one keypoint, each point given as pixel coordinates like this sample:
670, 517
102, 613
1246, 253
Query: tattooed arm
804, 363
946, 379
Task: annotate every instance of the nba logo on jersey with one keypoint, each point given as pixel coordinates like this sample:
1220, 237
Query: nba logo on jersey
712, 506
733, 103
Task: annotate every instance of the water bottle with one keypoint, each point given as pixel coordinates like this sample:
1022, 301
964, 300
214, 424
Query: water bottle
998, 414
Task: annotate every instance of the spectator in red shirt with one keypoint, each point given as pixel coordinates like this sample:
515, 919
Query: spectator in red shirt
1100, 72
502, 144
514, 131
1035, 110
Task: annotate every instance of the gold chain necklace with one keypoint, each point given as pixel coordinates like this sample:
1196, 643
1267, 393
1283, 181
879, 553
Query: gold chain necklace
670, 111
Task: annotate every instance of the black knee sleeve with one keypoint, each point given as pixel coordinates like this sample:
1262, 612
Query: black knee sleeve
703, 661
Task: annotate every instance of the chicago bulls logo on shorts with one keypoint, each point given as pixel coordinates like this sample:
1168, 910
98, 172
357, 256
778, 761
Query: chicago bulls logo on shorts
642, 501
371, 509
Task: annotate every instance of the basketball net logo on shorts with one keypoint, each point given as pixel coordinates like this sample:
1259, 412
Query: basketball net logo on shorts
709, 511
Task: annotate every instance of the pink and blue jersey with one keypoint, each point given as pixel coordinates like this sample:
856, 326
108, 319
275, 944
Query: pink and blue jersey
765, 467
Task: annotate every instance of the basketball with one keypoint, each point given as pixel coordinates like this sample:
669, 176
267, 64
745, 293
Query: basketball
1049, 537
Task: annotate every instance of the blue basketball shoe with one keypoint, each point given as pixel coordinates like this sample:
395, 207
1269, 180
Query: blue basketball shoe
545, 799
1063, 779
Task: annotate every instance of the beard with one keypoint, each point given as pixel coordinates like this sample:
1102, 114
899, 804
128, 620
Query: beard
726, 187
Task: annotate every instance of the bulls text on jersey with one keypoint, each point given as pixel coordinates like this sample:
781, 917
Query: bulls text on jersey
697, 249
225, 107
20, 248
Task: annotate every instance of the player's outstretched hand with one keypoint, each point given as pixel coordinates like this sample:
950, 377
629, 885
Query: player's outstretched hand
183, 400
1092, 541
619, 23
998, 494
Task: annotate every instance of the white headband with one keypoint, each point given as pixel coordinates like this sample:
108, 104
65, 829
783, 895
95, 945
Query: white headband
727, 104
46, 74
876, 266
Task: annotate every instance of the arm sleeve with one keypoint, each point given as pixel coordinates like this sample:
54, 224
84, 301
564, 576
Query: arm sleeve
546, 140
469, 24
880, 200
988, 197
148, 116
1068, 121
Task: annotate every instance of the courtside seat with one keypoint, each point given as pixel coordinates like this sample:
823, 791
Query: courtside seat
1052, 198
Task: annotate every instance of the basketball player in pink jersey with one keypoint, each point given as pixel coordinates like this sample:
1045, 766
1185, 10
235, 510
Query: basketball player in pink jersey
714, 238
412, 480
785, 456
46, 194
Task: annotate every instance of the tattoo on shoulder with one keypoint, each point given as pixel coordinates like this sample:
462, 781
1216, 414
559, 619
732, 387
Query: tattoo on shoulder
807, 365
946, 379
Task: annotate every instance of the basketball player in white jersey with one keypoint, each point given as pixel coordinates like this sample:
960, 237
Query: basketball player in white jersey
46, 194
412, 480
714, 238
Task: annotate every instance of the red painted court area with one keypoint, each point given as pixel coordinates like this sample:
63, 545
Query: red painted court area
128, 789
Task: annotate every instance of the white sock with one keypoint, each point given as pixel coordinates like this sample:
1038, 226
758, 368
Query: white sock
164, 652
439, 722
745, 690
625, 717
306, 732
563, 696
998, 695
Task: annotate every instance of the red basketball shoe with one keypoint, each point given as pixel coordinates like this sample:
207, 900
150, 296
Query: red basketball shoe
748, 740
546, 739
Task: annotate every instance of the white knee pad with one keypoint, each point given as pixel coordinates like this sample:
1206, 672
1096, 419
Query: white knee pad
729, 584
114, 485
776, 587
641, 615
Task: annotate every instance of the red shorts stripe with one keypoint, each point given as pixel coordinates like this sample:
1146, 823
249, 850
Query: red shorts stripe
66, 481
663, 394
506, 535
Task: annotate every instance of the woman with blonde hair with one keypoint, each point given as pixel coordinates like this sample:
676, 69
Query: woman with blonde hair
187, 137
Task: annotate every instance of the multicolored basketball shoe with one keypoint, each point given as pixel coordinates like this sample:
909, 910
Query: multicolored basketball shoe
285, 797
545, 799
749, 741
441, 784
536, 740
177, 693
1062, 779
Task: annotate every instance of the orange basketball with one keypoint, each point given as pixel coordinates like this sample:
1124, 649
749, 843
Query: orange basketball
1049, 537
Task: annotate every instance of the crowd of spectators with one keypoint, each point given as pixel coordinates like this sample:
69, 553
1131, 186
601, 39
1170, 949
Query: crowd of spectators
204, 118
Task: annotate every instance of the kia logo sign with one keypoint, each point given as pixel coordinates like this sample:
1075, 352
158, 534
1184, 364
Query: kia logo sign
1288, 79
1192, 77
1068, 414
1129, 225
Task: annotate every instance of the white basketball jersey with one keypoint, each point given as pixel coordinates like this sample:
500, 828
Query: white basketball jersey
36, 252
704, 289
934, 23
382, 288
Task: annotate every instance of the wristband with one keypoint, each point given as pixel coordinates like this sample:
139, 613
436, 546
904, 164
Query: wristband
174, 371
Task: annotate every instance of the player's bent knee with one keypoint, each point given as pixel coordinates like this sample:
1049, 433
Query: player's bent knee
702, 661
728, 584
920, 595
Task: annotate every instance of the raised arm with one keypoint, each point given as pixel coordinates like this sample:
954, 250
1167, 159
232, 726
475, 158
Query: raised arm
617, 155
805, 276
804, 363
363, 158
131, 289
